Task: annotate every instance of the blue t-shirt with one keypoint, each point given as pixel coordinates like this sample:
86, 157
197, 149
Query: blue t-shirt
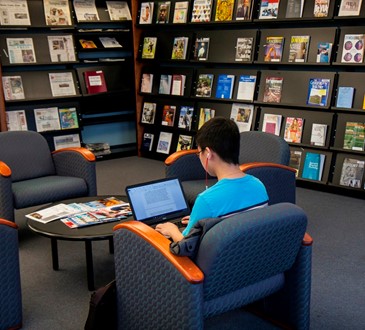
227, 196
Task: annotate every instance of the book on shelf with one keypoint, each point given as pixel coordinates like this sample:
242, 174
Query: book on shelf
147, 141
324, 50
118, 11
272, 123
47, 119
14, 12
273, 49
243, 10
293, 129
353, 48
294, 9
16, 120
178, 84
313, 166
225, 84
87, 44
246, 87
109, 42
224, 10
85, 10
68, 117
146, 12
95, 82
61, 48
57, 12
186, 117
146, 82
149, 47
164, 143
272, 90
318, 91
242, 115
321, 8
179, 48
163, 12
184, 142
201, 49
204, 115
66, 141
345, 97
201, 11
21, 50
204, 85
13, 88
180, 12
298, 48
62, 83
318, 135
350, 8
269, 9
244, 47
148, 113
168, 115
294, 160
165, 84
352, 173
354, 137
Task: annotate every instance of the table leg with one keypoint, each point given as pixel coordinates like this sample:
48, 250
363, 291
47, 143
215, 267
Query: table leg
54, 248
89, 265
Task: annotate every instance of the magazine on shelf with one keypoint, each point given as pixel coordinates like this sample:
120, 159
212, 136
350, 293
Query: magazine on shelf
246, 87
168, 115
298, 48
243, 10
318, 134
204, 115
14, 12
21, 50
118, 11
13, 88
66, 141
350, 8
313, 166
294, 9
244, 49
165, 84
242, 115
352, 173
201, 11
146, 82
273, 49
87, 44
201, 49
184, 142
293, 129
16, 120
269, 9
273, 89
57, 12
295, 159
272, 123
62, 84
68, 118
353, 48
109, 42
186, 117
61, 48
163, 12
321, 8
164, 142
85, 10
178, 84
324, 50
47, 119
224, 10
204, 85
180, 12
147, 141
149, 47
146, 13
225, 84
179, 48
345, 97
148, 113
354, 137
318, 91
95, 82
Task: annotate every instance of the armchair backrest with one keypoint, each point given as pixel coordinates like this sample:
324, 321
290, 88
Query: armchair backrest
250, 247
27, 154
257, 146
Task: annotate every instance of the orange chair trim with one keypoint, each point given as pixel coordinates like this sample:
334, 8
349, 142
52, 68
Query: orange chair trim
249, 166
184, 265
176, 155
8, 223
307, 240
86, 153
4, 169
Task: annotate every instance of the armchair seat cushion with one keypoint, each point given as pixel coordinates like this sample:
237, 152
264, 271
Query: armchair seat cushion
47, 189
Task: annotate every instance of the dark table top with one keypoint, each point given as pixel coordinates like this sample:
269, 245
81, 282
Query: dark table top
57, 229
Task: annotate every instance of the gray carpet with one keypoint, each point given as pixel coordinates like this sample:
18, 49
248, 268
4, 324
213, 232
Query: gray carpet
59, 299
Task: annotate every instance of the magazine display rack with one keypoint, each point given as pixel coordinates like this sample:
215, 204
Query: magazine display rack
311, 81
48, 62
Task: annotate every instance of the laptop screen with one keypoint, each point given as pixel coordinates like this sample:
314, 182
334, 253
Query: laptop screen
158, 201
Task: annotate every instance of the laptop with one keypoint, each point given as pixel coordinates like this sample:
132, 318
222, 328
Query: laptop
158, 201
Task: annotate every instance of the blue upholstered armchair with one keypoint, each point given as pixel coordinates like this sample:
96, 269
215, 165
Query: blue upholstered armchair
262, 256
31, 175
10, 288
263, 155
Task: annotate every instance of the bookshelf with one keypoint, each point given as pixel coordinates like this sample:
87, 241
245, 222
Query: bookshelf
104, 115
323, 62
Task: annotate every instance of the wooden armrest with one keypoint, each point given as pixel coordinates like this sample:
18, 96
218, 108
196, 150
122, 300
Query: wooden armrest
249, 166
86, 153
307, 240
8, 223
176, 155
4, 169
184, 265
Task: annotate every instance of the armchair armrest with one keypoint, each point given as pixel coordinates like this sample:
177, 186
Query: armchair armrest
249, 166
8, 223
178, 154
86, 153
184, 265
4, 169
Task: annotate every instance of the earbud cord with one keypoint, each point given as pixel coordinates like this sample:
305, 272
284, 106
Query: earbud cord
206, 174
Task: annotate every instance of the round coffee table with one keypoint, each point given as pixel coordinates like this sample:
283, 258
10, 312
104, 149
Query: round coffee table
57, 230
